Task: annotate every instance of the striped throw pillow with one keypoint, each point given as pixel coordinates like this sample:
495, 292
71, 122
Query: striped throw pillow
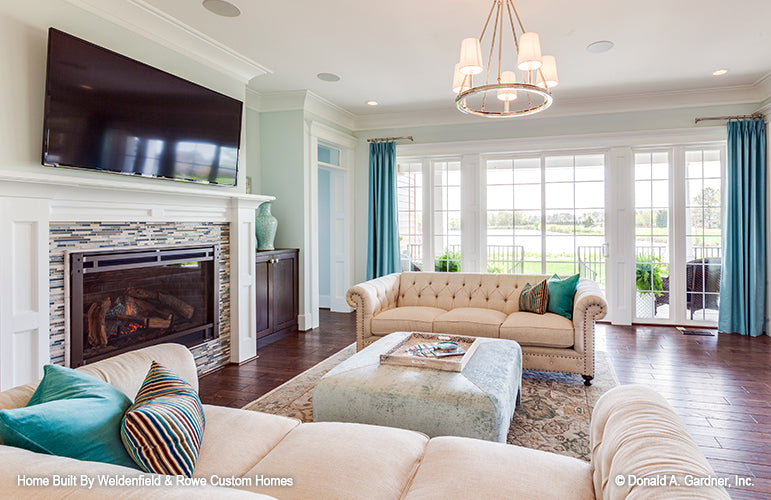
534, 298
162, 430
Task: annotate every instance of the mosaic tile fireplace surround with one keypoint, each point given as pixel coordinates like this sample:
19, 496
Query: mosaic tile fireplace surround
74, 237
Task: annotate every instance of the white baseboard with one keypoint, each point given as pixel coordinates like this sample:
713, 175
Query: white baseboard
304, 322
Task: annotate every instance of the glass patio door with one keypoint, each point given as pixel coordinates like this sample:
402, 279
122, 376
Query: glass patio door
678, 235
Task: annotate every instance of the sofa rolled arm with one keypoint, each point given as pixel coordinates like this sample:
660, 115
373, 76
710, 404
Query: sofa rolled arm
636, 434
589, 305
369, 299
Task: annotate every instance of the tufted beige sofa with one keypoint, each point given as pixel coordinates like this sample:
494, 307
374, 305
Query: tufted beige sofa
481, 305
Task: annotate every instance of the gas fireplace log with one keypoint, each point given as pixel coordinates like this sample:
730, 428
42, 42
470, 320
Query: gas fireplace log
139, 307
133, 319
102, 331
159, 322
93, 324
148, 322
180, 306
141, 293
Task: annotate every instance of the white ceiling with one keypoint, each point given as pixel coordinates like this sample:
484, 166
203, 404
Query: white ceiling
401, 52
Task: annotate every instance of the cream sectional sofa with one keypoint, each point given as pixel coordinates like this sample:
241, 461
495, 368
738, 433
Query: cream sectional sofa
481, 305
633, 431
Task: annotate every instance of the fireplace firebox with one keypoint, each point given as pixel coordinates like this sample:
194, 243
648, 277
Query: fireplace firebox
126, 299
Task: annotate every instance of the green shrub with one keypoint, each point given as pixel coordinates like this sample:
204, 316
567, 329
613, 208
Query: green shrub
447, 262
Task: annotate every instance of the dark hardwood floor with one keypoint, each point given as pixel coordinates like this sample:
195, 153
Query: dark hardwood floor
720, 386
237, 385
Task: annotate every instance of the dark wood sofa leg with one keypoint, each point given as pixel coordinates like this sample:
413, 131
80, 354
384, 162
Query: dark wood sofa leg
587, 379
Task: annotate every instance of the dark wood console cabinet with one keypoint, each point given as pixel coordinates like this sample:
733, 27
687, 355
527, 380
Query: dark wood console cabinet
276, 277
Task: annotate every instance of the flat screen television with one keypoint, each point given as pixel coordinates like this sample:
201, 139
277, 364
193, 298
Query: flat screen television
107, 112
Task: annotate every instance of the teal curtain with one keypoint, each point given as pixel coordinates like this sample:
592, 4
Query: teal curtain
743, 276
383, 238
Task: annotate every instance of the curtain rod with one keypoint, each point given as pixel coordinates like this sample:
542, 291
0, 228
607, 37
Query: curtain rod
389, 139
736, 117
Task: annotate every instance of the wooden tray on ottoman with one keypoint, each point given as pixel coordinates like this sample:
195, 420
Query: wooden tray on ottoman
398, 354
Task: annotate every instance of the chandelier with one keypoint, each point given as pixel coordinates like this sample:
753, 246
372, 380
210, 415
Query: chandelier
501, 95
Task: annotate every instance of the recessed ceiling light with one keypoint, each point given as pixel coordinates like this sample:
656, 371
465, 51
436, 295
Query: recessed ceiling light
372, 103
599, 46
328, 77
720, 72
221, 8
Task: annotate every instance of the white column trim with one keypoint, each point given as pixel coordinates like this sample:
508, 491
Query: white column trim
24, 291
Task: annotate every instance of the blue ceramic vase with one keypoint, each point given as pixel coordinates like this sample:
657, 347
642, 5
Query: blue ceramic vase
265, 227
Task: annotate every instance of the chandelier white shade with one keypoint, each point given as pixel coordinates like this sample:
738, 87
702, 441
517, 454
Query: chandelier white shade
470, 56
460, 81
506, 94
529, 53
547, 77
503, 93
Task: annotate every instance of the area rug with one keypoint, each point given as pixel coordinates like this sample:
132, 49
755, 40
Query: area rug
554, 416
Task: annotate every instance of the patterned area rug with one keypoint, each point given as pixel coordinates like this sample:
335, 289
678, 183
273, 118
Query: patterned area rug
554, 416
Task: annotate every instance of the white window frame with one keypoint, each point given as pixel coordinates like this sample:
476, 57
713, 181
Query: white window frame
619, 179
542, 155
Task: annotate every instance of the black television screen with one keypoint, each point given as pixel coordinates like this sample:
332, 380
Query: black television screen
105, 111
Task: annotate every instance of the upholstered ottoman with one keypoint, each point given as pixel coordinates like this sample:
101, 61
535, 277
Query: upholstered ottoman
477, 402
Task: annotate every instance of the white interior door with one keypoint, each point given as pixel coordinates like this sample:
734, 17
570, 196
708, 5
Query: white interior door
339, 246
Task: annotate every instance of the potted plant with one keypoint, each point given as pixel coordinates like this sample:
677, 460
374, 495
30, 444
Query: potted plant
649, 280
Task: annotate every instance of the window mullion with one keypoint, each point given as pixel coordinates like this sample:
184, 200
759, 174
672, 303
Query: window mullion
543, 214
428, 215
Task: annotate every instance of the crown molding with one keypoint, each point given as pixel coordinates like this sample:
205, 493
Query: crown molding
151, 23
330, 111
265, 102
594, 141
296, 100
764, 84
308, 101
622, 103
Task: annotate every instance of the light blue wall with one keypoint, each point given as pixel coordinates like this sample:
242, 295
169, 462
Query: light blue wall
282, 173
253, 159
324, 233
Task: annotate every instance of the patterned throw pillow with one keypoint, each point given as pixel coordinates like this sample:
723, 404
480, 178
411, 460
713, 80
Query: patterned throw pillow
162, 430
534, 298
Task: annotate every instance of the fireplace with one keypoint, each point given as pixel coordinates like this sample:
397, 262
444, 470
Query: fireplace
126, 299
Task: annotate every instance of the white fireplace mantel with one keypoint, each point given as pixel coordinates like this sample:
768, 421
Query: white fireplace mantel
30, 203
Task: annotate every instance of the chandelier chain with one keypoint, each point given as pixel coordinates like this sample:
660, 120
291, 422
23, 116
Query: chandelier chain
521, 26
492, 51
487, 22
500, 38
511, 22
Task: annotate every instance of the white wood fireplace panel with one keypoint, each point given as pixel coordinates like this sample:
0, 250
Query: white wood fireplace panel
23, 290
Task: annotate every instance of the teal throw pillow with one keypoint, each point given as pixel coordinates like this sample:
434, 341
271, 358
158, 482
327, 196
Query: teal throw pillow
561, 293
71, 414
